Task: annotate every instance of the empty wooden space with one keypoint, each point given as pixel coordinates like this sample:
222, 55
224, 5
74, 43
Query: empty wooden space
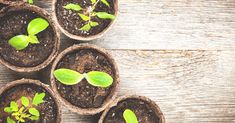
179, 53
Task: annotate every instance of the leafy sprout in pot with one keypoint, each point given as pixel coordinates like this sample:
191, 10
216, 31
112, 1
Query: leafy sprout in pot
95, 78
28, 110
20, 42
86, 14
130, 116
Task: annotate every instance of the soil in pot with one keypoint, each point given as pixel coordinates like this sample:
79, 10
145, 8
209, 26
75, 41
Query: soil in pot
84, 95
48, 109
71, 22
14, 22
143, 110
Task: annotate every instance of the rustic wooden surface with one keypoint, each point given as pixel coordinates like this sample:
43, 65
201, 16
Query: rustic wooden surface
179, 53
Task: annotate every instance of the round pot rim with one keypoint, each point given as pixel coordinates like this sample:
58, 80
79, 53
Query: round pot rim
37, 83
84, 38
144, 98
46, 15
112, 95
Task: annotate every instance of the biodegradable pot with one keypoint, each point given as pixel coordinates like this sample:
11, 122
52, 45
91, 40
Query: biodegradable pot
14, 21
84, 98
69, 22
145, 109
50, 110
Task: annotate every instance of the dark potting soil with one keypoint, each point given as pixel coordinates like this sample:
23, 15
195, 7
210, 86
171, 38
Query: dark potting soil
142, 109
2, 6
15, 23
84, 95
48, 109
71, 21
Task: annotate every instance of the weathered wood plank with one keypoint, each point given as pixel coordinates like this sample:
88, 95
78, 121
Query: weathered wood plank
189, 86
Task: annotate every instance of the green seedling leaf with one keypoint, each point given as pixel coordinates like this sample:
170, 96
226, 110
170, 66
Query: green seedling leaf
14, 106
105, 15
34, 118
72, 6
84, 17
33, 39
99, 79
34, 112
19, 42
105, 2
24, 101
86, 27
30, 1
130, 116
9, 120
38, 99
93, 24
67, 76
37, 25
7, 110
93, 1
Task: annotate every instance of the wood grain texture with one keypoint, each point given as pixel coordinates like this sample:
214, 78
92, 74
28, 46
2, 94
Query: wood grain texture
189, 85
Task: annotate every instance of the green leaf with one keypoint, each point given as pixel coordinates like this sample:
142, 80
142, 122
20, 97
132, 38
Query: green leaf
105, 2
99, 79
38, 99
130, 116
37, 25
93, 1
19, 42
34, 118
67, 76
30, 1
9, 120
84, 17
33, 39
86, 27
93, 24
25, 101
71, 6
14, 106
7, 110
105, 15
34, 112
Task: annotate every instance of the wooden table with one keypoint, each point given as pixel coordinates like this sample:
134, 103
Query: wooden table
179, 53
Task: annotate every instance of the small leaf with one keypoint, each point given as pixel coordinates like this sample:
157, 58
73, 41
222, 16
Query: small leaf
34, 112
30, 1
38, 99
105, 15
84, 17
71, 6
93, 1
93, 24
34, 118
86, 27
105, 2
33, 39
67, 76
19, 42
37, 25
7, 110
9, 120
21, 110
130, 116
99, 79
25, 101
14, 106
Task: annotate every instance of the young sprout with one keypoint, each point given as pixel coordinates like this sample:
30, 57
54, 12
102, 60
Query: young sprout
87, 14
95, 78
20, 42
19, 113
30, 1
130, 116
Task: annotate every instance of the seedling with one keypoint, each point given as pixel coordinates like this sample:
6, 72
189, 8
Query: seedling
95, 78
36, 26
130, 116
20, 113
30, 1
87, 14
